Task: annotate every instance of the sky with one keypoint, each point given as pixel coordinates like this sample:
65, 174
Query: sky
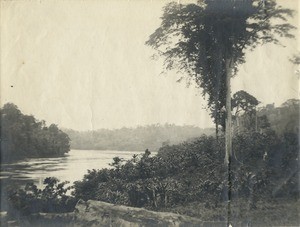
84, 65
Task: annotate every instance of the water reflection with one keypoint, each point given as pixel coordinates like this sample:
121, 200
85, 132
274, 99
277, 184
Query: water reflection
71, 167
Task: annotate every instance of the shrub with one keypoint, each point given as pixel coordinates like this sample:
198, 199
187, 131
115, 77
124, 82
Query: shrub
52, 199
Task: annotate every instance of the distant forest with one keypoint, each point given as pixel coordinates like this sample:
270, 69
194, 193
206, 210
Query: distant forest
284, 118
150, 137
23, 136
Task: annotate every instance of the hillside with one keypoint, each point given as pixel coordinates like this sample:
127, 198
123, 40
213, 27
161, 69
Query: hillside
150, 137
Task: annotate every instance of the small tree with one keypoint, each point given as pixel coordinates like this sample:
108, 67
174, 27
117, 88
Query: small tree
245, 104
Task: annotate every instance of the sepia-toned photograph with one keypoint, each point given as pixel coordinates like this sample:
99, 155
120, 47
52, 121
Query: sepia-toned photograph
146, 113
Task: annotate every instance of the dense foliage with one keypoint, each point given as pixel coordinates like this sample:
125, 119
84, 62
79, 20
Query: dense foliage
23, 136
52, 199
169, 178
282, 119
134, 139
264, 166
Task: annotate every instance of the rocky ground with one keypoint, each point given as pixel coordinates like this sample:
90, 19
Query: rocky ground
96, 213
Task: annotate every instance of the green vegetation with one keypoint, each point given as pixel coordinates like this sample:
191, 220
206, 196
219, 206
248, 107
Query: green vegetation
169, 178
22, 136
134, 139
264, 170
52, 199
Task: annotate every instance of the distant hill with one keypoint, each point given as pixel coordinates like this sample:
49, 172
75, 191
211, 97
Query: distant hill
282, 119
150, 137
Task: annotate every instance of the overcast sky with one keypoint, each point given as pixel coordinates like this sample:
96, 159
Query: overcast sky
84, 65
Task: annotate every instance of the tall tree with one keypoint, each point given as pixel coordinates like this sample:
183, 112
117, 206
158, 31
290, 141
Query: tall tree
207, 41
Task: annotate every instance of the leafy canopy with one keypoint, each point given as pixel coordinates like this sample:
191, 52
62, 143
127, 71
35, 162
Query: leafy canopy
204, 39
243, 101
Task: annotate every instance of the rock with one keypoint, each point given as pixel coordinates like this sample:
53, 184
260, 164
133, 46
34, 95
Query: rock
96, 213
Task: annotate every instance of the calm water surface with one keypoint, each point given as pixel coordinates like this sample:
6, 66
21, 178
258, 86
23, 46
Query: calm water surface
71, 167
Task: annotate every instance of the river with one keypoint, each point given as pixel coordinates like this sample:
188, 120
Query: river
71, 167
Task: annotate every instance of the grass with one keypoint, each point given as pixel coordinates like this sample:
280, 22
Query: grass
276, 212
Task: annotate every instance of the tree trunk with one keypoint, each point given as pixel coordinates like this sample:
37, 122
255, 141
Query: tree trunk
237, 124
217, 130
256, 128
228, 137
228, 125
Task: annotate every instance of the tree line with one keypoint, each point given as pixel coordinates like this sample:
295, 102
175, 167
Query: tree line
134, 139
247, 115
23, 136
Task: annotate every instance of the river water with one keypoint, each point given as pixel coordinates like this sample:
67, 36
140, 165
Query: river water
71, 167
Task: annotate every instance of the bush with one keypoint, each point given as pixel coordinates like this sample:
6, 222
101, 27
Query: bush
51, 199
178, 174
